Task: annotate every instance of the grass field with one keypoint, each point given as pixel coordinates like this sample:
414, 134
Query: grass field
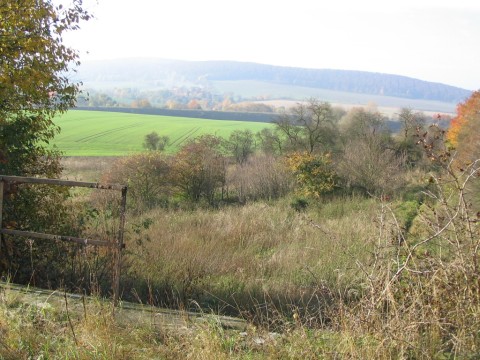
97, 133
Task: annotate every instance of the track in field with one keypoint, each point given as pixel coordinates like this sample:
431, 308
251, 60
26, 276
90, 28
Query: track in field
107, 132
182, 138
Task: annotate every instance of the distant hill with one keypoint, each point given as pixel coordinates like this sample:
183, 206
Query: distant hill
160, 73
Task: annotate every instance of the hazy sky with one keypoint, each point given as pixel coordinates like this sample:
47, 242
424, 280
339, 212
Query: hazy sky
434, 40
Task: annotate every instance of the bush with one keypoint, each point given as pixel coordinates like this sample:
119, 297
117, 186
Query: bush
199, 169
147, 176
261, 177
314, 173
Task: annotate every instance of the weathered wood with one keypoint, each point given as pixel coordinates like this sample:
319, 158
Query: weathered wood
118, 250
36, 235
1, 213
117, 245
1, 203
31, 180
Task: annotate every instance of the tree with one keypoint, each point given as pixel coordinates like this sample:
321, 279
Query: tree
147, 176
141, 104
412, 122
413, 125
314, 173
199, 168
241, 144
35, 85
271, 141
359, 123
466, 112
155, 142
367, 164
309, 127
464, 134
34, 77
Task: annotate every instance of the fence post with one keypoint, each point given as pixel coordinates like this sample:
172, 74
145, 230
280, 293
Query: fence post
118, 249
1, 212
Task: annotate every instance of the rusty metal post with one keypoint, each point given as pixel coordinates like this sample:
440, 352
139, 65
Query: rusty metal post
118, 248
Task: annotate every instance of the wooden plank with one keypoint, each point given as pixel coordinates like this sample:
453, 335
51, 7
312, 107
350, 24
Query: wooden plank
117, 245
1, 203
32, 180
118, 251
58, 237
1, 213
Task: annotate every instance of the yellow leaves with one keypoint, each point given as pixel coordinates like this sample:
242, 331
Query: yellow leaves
314, 172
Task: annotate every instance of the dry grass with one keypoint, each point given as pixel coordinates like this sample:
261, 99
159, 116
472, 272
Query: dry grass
86, 168
348, 278
254, 256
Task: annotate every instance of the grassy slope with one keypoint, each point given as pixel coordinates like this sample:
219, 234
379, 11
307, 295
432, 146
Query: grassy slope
91, 133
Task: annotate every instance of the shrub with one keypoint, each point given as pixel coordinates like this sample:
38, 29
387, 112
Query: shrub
368, 164
147, 176
199, 169
314, 173
261, 177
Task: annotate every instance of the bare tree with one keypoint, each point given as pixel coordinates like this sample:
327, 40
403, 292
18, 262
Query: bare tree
368, 164
309, 127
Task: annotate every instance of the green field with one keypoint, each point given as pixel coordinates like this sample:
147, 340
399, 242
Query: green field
98, 133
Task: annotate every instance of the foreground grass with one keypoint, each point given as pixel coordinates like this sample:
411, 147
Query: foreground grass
34, 327
98, 133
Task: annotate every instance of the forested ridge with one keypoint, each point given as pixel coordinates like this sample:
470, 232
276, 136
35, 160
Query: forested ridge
163, 72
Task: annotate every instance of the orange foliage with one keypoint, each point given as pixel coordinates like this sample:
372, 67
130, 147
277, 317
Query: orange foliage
465, 112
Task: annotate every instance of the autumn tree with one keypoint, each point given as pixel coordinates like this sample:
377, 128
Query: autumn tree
147, 176
141, 104
463, 132
314, 173
309, 127
465, 112
199, 169
35, 85
464, 135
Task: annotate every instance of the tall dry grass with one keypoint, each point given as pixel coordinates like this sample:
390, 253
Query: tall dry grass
86, 168
422, 296
247, 258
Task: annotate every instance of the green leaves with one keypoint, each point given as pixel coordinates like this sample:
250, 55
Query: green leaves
34, 81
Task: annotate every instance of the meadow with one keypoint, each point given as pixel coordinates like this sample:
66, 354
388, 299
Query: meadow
97, 133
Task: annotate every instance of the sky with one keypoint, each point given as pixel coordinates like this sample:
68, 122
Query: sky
433, 40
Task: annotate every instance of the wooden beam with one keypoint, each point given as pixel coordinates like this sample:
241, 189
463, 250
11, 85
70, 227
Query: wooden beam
32, 180
118, 250
58, 237
1, 213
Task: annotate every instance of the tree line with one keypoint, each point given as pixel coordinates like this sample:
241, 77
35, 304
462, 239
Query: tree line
314, 149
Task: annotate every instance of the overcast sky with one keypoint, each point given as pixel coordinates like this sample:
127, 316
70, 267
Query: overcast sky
434, 40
